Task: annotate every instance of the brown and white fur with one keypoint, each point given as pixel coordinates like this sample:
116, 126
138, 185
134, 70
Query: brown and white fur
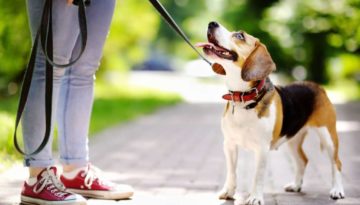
263, 128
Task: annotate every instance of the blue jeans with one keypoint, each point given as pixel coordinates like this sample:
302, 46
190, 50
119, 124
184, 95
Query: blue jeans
73, 87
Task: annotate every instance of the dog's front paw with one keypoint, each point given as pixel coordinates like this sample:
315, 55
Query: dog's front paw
292, 187
227, 194
337, 193
254, 200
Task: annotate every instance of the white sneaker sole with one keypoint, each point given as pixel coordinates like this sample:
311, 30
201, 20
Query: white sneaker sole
31, 201
102, 194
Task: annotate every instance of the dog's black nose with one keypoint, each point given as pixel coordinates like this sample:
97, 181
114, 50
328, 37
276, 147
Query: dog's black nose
213, 24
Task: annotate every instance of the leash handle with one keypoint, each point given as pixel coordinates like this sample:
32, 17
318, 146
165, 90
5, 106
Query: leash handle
44, 36
45, 30
161, 9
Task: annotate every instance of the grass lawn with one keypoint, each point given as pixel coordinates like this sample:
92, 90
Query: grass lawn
113, 104
116, 104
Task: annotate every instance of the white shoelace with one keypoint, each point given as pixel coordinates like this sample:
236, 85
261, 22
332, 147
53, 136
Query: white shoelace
91, 174
56, 187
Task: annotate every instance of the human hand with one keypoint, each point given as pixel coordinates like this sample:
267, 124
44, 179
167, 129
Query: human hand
69, 2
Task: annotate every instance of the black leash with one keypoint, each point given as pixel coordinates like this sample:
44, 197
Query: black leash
45, 36
160, 8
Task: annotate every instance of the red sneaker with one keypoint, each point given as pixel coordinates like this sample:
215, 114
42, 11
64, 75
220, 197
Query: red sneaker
49, 190
89, 183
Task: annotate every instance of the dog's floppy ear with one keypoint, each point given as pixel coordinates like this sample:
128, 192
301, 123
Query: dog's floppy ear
217, 68
258, 65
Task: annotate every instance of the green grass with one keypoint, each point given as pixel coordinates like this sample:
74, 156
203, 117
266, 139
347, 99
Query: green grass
7, 120
113, 105
120, 103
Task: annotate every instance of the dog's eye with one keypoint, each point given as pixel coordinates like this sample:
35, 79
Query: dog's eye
240, 36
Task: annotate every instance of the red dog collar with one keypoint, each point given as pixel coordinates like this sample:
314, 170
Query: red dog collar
252, 94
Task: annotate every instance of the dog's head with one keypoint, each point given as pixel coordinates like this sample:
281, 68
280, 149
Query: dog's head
237, 55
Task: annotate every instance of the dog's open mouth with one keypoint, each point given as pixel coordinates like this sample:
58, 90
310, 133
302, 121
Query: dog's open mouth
213, 48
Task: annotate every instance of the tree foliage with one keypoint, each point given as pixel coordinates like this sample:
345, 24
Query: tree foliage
313, 32
14, 43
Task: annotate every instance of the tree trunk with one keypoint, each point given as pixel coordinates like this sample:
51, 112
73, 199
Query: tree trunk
316, 64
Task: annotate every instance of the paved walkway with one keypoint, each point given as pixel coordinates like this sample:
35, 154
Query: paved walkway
174, 157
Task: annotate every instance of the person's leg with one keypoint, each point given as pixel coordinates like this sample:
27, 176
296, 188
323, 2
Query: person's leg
33, 122
76, 93
75, 108
43, 185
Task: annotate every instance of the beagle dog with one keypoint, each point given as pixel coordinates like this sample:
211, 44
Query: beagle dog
260, 116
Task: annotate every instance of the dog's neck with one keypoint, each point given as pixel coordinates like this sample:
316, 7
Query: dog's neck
255, 94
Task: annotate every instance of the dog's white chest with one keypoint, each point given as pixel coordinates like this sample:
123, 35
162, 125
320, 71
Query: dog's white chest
246, 129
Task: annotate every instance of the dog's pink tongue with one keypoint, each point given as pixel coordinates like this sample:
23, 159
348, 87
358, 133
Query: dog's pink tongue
204, 44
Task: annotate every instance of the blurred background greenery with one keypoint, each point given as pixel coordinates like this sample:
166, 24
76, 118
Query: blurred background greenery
309, 40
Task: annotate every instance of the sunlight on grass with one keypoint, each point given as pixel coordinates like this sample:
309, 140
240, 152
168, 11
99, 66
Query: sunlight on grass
7, 121
6, 140
119, 103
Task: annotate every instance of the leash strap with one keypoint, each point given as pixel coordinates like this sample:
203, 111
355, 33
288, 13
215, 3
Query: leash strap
83, 33
161, 9
45, 36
